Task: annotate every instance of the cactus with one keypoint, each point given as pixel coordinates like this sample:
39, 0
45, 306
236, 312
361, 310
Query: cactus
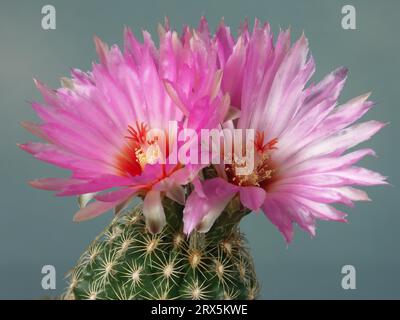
127, 262
111, 127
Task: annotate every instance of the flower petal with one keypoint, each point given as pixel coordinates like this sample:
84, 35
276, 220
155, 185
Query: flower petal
153, 212
53, 184
176, 193
338, 142
200, 213
95, 209
277, 214
113, 196
252, 197
84, 199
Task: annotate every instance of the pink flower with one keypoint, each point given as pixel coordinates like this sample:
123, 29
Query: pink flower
97, 125
301, 164
192, 75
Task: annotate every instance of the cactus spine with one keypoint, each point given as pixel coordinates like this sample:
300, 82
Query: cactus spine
127, 262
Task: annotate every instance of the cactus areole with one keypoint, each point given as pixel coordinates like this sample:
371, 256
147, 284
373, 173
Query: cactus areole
127, 262
111, 128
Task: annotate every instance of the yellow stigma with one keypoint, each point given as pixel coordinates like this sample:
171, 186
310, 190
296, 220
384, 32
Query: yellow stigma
262, 166
141, 157
147, 150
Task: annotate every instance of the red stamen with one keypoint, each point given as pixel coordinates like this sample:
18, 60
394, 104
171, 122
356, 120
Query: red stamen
132, 158
259, 143
139, 133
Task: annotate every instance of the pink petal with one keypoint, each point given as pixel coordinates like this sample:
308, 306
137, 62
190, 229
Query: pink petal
326, 164
100, 183
353, 194
348, 113
343, 140
320, 210
95, 209
200, 213
33, 128
203, 28
294, 63
196, 208
252, 197
233, 73
277, 214
48, 94
344, 177
260, 59
53, 184
318, 194
101, 49
176, 193
224, 42
113, 196
360, 176
328, 89
340, 118
55, 155
198, 187
153, 212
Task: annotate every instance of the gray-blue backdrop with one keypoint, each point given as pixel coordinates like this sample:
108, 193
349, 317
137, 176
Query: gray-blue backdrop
36, 228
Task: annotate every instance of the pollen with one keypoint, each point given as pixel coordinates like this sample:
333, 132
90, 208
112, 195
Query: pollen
263, 169
145, 150
141, 157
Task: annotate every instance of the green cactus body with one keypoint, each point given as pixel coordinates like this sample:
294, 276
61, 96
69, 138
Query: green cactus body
127, 262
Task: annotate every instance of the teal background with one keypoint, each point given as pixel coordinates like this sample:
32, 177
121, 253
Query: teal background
37, 229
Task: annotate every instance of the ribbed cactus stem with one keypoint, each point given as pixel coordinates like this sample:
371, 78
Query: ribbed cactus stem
127, 262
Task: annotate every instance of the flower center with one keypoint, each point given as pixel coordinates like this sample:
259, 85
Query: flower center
141, 149
263, 166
